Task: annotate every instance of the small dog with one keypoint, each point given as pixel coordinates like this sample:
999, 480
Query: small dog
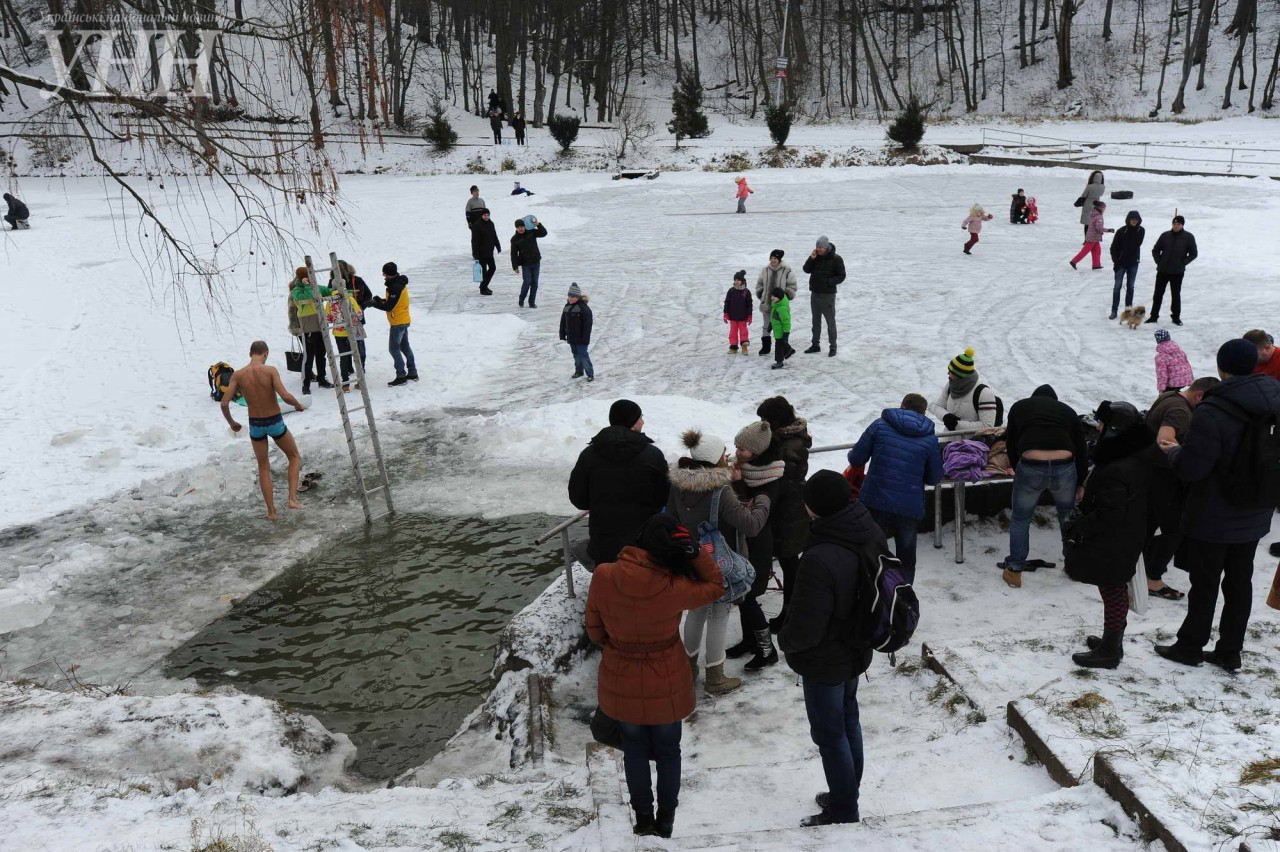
1133, 316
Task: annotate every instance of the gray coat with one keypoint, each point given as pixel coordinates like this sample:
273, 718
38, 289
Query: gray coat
690, 503
1092, 192
784, 276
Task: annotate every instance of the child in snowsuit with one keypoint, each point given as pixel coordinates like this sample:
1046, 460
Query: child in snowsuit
1093, 237
973, 224
737, 313
743, 192
780, 324
1033, 211
575, 329
1018, 209
520, 190
1173, 370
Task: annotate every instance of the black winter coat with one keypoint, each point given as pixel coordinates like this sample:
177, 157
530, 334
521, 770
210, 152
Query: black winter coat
1126, 245
1174, 250
575, 323
17, 209
826, 271
788, 518
621, 477
737, 304
818, 635
1041, 422
484, 239
1102, 545
1204, 461
524, 247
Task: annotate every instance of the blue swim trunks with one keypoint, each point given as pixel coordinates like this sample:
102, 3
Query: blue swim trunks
261, 427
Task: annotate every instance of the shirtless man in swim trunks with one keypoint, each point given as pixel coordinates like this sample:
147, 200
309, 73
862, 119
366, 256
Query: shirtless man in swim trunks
260, 385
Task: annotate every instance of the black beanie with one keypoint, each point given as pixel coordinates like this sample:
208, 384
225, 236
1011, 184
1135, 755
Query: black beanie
776, 253
740, 275
520, 223
624, 413
777, 412
1235, 359
389, 268
826, 493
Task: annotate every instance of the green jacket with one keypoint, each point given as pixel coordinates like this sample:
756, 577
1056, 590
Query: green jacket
780, 317
303, 298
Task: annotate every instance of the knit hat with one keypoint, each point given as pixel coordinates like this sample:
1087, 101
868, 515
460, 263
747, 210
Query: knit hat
703, 448
1180, 220
1237, 357
962, 366
740, 275
826, 493
755, 437
519, 223
777, 412
300, 273
823, 243
575, 290
624, 413
389, 268
778, 253
1162, 335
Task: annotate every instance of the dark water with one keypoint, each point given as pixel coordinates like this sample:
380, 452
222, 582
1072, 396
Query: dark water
387, 637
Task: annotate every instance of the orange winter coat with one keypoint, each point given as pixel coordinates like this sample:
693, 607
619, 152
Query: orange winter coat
633, 613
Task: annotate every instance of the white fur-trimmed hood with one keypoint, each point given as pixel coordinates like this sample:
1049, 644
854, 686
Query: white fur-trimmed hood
698, 479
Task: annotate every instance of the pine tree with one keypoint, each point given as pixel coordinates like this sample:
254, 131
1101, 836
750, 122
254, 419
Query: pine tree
778, 117
439, 131
908, 128
564, 129
687, 118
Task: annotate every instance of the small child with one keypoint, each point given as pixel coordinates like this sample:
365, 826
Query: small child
737, 313
1033, 211
1093, 236
520, 190
780, 324
1173, 370
743, 192
1018, 208
575, 329
341, 336
973, 224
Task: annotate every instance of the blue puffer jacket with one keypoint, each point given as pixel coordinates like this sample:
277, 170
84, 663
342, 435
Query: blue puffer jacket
1204, 462
905, 458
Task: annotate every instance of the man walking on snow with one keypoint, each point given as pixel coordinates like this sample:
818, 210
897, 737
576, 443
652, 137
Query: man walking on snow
261, 386
826, 272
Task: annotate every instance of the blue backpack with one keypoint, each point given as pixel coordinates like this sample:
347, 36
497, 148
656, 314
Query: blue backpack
736, 569
888, 609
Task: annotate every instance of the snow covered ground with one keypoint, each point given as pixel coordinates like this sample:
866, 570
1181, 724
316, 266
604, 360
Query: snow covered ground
132, 517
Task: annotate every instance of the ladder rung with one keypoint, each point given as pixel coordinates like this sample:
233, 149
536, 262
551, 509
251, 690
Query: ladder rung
382, 487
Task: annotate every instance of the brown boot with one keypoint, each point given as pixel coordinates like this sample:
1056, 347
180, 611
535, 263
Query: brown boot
1013, 578
717, 683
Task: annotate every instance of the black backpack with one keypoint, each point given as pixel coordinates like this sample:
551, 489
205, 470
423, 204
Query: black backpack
977, 396
1254, 469
887, 608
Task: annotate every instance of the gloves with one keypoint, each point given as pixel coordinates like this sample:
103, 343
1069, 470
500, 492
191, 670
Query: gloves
726, 317
950, 421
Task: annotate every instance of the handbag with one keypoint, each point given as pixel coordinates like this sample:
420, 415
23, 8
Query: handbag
605, 729
1080, 201
293, 358
477, 272
736, 569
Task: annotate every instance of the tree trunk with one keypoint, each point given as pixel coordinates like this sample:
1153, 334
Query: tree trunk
1064, 44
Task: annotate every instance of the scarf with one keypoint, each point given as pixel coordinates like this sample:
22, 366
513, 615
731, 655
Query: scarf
960, 388
755, 476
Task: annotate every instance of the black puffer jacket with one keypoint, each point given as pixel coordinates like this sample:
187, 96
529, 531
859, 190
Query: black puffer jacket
17, 209
622, 478
1204, 462
789, 519
818, 634
1103, 543
1174, 250
484, 239
826, 271
524, 247
1126, 245
575, 323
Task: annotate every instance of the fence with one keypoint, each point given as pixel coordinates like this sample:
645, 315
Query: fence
1220, 159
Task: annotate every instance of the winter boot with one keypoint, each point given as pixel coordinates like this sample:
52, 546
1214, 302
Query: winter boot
767, 655
1107, 654
693, 667
746, 345
717, 683
1012, 578
665, 823
765, 344
645, 826
733, 350
812, 349
746, 646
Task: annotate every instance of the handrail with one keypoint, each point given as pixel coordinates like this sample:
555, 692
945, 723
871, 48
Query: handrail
1237, 155
560, 527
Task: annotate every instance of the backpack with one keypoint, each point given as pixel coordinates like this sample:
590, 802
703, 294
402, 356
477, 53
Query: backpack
736, 569
888, 609
977, 396
1254, 470
220, 379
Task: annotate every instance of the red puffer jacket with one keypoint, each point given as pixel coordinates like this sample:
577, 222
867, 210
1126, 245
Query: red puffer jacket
633, 613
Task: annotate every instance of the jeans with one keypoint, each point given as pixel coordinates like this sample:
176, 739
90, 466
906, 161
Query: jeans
837, 732
1030, 480
1210, 563
1173, 280
661, 744
1124, 275
529, 282
488, 267
714, 619
582, 360
823, 306
313, 365
903, 531
400, 351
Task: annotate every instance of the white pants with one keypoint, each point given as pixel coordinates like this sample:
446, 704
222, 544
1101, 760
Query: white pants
714, 618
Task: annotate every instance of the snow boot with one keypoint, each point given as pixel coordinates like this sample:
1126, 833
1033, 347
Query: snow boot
693, 667
645, 826
577, 374
1012, 578
767, 655
733, 350
746, 345
777, 365
831, 353
717, 683
1105, 655
665, 823
812, 349
764, 345
746, 646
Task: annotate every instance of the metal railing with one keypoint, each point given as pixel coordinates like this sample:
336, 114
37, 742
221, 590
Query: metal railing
563, 529
1224, 158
